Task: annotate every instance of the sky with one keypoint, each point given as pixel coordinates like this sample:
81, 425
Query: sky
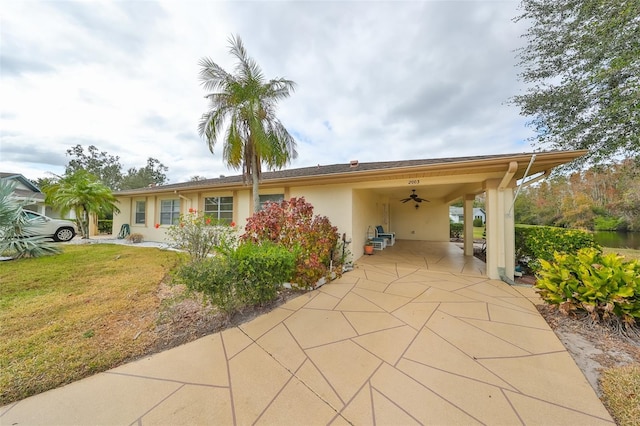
375, 80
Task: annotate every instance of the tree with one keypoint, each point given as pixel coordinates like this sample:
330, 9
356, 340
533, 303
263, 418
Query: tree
151, 174
108, 170
105, 167
242, 114
17, 236
602, 198
583, 64
83, 193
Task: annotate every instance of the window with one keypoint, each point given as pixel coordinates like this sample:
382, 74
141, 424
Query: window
169, 212
220, 208
276, 198
141, 208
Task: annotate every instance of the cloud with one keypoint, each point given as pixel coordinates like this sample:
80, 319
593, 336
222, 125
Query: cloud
375, 80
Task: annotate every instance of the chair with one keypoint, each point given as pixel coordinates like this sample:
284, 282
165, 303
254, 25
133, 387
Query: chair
378, 243
391, 236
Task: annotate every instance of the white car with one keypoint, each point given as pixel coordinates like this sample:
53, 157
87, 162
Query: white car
58, 229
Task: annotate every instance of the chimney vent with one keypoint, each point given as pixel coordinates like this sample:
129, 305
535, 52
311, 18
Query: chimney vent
353, 164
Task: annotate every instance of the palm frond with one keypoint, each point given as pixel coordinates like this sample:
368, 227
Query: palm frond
242, 114
17, 234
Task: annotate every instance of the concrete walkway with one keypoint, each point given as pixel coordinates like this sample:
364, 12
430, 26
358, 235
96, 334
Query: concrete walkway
399, 340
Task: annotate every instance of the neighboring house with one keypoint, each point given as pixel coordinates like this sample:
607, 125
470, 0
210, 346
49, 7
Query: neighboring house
456, 214
356, 196
26, 190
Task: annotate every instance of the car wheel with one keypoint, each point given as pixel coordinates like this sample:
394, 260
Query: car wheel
64, 234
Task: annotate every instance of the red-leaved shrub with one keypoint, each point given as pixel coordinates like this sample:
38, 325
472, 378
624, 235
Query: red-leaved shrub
292, 224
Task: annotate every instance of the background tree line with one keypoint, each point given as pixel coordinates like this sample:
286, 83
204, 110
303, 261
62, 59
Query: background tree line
598, 198
108, 170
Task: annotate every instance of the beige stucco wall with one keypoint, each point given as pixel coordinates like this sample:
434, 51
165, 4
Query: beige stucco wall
430, 222
366, 213
333, 201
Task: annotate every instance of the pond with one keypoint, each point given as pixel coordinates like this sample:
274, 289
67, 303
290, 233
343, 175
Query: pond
615, 239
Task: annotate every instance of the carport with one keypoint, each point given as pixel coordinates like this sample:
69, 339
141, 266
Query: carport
378, 200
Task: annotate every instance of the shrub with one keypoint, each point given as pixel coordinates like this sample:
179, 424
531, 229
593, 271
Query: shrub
199, 235
105, 226
260, 270
135, 238
292, 224
456, 230
603, 285
608, 223
249, 275
535, 243
477, 222
213, 277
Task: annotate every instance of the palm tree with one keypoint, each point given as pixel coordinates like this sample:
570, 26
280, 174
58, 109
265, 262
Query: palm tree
83, 193
241, 112
17, 235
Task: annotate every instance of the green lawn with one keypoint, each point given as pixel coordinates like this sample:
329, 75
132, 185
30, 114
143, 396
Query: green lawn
71, 315
627, 253
478, 232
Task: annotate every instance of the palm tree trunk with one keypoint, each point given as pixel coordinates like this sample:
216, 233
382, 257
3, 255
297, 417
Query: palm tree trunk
256, 192
85, 223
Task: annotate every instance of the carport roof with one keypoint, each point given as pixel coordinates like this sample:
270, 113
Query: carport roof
359, 171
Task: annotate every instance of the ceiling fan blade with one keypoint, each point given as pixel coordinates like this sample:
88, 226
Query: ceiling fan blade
405, 200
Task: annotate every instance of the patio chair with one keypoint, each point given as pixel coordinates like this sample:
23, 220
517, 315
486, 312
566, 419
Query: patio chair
390, 236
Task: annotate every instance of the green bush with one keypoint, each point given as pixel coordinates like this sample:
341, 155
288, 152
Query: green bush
456, 230
535, 243
214, 278
248, 275
603, 285
260, 270
477, 222
105, 226
608, 223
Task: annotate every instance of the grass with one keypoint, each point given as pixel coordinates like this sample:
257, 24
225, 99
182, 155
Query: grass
621, 389
629, 254
68, 316
478, 232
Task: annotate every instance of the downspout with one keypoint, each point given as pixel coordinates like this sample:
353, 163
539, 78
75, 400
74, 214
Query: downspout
526, 172
502, 270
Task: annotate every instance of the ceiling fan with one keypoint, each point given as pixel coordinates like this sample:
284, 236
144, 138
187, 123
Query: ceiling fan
414, 197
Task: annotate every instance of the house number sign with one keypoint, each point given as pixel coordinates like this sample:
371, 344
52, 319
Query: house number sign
414, 182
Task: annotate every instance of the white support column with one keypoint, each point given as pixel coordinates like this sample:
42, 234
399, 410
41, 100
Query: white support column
492, 224
500, 231
468, 224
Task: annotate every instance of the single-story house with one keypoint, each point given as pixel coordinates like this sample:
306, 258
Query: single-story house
356, 196
456, 214
25, 190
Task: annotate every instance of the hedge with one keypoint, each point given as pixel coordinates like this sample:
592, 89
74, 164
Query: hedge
541, 242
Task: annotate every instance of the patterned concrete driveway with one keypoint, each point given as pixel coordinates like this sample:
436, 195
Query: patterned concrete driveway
402, 339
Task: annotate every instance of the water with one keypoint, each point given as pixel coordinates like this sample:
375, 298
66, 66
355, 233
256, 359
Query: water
615, 239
